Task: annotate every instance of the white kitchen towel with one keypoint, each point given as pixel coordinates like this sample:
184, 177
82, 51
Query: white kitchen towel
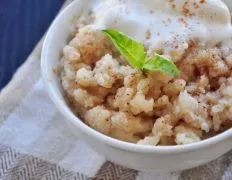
36, 144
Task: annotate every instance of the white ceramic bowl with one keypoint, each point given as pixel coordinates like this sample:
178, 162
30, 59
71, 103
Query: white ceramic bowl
140, 157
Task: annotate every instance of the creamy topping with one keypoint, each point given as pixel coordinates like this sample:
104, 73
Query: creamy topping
147, 20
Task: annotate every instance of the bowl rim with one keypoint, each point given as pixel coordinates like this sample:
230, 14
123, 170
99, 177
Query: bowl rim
126, 146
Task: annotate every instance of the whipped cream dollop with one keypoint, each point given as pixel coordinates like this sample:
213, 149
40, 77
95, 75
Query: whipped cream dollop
208, 21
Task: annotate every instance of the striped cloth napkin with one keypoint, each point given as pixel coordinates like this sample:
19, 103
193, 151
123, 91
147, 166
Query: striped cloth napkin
36, 144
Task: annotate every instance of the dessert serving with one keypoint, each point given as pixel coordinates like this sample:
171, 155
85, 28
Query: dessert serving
151, 72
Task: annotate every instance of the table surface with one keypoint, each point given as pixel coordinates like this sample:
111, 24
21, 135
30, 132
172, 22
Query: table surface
22, 24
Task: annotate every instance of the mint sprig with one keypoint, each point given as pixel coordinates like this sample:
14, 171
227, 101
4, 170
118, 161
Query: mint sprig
135, 54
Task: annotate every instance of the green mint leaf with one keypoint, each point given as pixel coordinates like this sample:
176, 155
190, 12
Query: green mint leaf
132, 50
135, 54
160, 63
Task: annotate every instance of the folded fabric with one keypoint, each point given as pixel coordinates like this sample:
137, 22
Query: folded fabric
35, 142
